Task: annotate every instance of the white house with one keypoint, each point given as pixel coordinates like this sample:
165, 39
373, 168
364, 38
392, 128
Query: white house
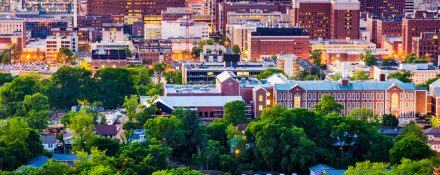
49, 141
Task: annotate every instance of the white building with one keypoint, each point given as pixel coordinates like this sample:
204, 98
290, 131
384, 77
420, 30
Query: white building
54, 43
10, 26
185, 28
112, 117
421, 72
49, 141
286, 62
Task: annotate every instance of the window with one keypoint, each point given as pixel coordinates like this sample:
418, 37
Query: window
348, 96
260, 107
297, 101
260, 98
395, 100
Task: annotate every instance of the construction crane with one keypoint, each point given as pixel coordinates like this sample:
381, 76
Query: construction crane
186, 21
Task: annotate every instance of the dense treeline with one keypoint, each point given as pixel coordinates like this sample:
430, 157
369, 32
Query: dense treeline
280, 139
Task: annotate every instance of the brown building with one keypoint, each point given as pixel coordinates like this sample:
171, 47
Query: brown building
131, 7
151, 51
328, 19
94, 21
381, 27
413, 27
383, 8
265, 42
426, 45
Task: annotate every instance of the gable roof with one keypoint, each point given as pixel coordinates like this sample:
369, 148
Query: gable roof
48, 139
106, 130
433, 131
225, 75
368, 85
37, 162
277, 78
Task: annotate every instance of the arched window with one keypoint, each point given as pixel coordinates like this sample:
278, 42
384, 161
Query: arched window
394, 100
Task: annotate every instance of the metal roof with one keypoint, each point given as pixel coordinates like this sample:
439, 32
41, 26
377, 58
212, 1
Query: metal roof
193, 101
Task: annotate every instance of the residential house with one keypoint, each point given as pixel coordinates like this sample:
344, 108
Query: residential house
433, 138
106, 130
49, 141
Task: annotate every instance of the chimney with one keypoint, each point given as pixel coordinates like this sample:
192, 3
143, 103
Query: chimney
345, 82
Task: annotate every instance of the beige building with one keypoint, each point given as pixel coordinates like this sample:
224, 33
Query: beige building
54, 43
10, 26
238, 35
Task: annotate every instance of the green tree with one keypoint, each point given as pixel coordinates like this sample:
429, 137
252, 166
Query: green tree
128, 52
178, 171
410, 58
409, 147
268, 72
360, 75
166, 129
368, 58
388, 62
65, 55
195, 52
367, 167
12, 94
327, 105
82, 124
114, 84
311, 78
335, 76
389, 120
315, 57
424, 166
234, 112
5, 78
216, 130
53, 167
131, 104
363, 114
403, 75
109, 145
235, 49
412, 130
434, 122
70, 84
36, 110
159, 70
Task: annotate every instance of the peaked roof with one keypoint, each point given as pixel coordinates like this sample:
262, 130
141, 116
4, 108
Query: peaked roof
65, 157
48, 139
106, 130
277, 78
433, 131
225, 75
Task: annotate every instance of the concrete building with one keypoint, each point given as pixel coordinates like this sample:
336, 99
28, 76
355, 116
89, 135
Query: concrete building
54, 43
380, 28
49, 7
40, 27
328, 19
212, 53
205, 73
238, 35
85, 35
421, 72
265, 42
185, 28
394, 46
153, 31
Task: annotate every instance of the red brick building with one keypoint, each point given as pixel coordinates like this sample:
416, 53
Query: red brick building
152, 51
265, 42
427, 45
401, 99
413, 27
380, 28
328, 19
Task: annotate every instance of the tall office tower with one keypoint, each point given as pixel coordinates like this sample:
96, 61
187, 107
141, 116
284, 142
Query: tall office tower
383, 8
328, 19
409, 7
131, 7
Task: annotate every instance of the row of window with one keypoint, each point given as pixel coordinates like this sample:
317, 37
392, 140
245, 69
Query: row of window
350, 96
